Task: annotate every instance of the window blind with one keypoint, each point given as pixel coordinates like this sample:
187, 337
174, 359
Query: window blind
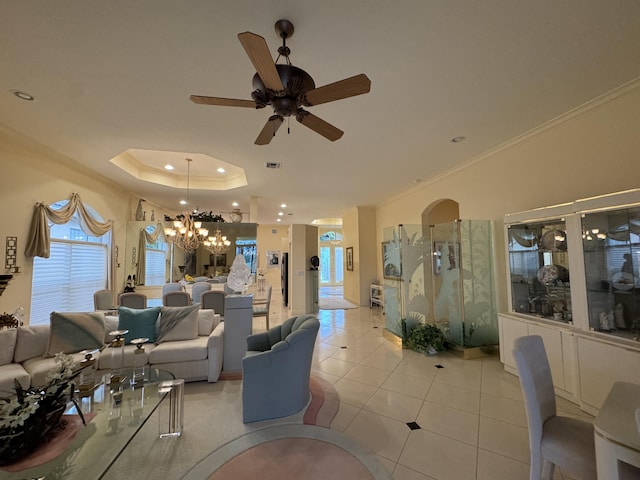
155, 267
66, 281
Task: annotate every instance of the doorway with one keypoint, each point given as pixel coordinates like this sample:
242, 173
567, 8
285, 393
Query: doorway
331, 258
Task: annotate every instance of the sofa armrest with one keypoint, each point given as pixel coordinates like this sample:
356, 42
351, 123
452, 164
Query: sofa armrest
215, 345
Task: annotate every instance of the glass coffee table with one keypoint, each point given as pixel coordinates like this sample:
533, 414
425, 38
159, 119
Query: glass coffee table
115, 414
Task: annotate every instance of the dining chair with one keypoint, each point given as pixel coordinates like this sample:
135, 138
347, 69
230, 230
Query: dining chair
198, 289
261, 307
176, 299
172, 287
213, 299
553, 440
102, 300
132, 300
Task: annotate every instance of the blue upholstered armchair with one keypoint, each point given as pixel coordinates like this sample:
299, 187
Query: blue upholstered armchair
276, 369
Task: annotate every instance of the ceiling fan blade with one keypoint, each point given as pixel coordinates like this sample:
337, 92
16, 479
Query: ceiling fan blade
349, 87
318, 125
269, 130
224, 102
258, 52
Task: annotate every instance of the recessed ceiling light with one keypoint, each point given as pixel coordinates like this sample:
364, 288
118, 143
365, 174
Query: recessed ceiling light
183, 202
284, 205
23, 95
168, 167
458, 139
221, 170
278, 219
280, 214
235, 204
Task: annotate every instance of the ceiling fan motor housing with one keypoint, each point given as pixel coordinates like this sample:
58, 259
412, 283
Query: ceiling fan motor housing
295, 81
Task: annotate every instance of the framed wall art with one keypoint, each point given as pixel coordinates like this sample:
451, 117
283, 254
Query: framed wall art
391, 261
350, 258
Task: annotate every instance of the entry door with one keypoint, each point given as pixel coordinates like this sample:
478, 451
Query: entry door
331, 265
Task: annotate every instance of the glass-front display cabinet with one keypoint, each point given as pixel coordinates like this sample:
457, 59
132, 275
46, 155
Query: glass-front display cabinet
574, 280
539, 269
611, 245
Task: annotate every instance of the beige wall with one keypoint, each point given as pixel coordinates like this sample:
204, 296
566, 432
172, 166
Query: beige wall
593, 152
350, 236
358, 230
271, 237
32, 174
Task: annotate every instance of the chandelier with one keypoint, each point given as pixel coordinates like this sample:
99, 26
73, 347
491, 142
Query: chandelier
186, 233
217, 244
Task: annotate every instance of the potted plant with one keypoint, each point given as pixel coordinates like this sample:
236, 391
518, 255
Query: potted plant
424, 338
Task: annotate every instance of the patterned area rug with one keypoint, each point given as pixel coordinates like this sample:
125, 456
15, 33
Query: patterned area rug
310, 450
290, 451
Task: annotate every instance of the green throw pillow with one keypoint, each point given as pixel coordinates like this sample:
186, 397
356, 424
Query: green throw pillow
73, 332
141, 322
178, 323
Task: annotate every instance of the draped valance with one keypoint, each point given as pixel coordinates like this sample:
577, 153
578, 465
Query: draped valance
144, 239
38, 243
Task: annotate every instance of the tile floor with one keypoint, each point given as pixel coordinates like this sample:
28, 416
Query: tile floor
471, 413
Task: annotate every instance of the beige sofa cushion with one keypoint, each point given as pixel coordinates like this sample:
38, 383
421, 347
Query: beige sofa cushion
39, 367
8, 338
31, 342
179, 351
207, 321
10, 372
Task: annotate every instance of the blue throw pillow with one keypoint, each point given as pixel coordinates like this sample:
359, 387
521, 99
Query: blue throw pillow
141, 322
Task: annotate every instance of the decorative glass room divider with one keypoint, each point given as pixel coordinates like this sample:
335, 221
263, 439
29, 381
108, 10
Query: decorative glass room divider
444, 275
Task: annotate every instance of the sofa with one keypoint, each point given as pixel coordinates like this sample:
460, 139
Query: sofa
186, 341
276, 369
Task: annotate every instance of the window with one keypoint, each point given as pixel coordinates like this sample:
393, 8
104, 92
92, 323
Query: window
155, 260
77, 267
331, 236
248, 248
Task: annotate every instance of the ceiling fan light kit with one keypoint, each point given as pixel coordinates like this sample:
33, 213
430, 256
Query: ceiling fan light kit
287, 88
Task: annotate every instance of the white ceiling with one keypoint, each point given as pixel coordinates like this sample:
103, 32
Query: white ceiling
117, 75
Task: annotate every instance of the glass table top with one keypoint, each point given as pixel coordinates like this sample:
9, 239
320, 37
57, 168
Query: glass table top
115, 412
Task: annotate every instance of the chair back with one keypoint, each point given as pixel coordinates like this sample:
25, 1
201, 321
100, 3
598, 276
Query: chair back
268, 294
536, 382
172, 287
176, 299
261, 309
198, 289
213, 299
132, 300
102, 300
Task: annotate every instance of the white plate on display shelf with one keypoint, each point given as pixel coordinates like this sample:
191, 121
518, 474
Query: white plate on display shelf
623, 281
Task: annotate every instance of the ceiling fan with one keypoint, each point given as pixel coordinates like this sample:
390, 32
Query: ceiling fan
287, 88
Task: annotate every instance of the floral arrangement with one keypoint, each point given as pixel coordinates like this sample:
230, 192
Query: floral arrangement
27, 418
198, 216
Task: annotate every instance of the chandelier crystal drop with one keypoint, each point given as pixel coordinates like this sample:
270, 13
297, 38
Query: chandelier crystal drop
217, 244
186, 233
